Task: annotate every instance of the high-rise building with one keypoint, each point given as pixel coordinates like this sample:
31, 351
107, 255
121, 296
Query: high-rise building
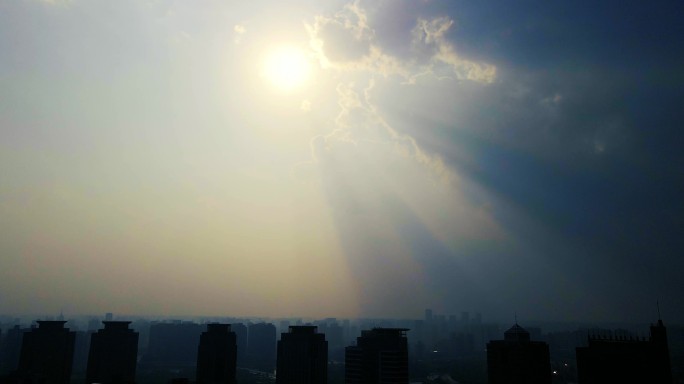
240, 331
47, 353
11, 349
302, 356
625, 359
380, 356
518, 360
113, 354
217, 355
261, 346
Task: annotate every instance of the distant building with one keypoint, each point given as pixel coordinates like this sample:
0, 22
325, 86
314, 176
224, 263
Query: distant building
625, 359
113, 354
47, 353
173, 345
10, 350
518, 360
261, 346
379, 357
302, 356
217, 355
240, 331
81, 350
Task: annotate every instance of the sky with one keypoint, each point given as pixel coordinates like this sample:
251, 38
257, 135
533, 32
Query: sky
336, 158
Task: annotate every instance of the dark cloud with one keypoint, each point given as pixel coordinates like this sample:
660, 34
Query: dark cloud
575, 145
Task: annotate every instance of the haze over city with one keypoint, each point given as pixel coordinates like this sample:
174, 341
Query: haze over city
342, 159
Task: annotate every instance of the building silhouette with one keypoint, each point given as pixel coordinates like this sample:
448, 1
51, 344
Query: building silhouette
261, 346
113, 354
10, 349
625, 359
379, 356
302, 356
47, 354
173, 344
518, 360
240, 331
217, 355
81, 351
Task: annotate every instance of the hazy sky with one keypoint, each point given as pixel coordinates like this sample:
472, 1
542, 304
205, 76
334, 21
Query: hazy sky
372, 158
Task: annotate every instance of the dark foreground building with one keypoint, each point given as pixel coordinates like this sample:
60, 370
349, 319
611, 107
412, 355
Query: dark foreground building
302, 356
47, 354
113, 354
379, 357
518, 360
623, 359
217, 355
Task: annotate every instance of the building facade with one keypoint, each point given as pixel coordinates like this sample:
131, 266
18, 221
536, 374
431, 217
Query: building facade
302, 356
380, 356
518, 360
217, 355
113, 354
47, 353
625, 359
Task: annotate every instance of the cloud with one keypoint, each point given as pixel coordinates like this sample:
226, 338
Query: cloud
342, 38
432, 34
347, 42
359, 123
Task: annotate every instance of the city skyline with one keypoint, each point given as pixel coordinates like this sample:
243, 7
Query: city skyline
342, 158
436, 350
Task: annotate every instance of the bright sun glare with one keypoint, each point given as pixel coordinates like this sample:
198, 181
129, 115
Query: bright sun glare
287, 68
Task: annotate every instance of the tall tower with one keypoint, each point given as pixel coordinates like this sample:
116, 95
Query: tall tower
302, 356
379, 357
517, 360
113, 354
47, 353
217, 355
660, 354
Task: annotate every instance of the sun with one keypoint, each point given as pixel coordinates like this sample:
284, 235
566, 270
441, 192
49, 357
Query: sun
286, 67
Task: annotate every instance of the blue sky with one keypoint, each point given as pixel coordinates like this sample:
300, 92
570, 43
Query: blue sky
481, 156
